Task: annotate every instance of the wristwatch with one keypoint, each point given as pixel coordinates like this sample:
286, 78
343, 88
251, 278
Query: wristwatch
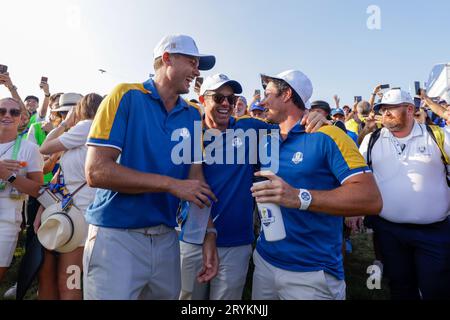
211, 230
47, 95
305, 199
12, 177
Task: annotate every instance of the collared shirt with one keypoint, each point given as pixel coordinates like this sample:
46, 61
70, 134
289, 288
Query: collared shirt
411, 176
134, 120
318, 161
228, 170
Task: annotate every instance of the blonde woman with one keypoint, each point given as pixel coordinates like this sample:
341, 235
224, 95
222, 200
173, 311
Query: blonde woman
69, 137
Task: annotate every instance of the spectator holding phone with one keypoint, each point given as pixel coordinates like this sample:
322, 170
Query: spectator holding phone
361, 111
5, 80
70, 138
440, 109
20, 174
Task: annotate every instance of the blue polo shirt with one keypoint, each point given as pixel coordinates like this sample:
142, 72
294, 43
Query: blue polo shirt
318, 161
134, 120
231, 182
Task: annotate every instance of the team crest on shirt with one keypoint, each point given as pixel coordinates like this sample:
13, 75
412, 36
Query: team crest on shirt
237, 142
297, 158
184, 133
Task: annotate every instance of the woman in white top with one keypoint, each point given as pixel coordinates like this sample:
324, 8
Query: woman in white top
72, 142
20, 173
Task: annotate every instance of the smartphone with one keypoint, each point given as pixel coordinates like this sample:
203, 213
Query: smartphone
257, 92
358, 98
417, 87
198, 84
417, 102
44, 79
384, 86
3, 68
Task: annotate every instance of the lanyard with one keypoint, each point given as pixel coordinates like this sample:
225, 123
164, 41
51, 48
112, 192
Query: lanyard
16, 147
15, 150
14, 157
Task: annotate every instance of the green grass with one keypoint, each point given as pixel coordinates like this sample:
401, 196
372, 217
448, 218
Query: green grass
355, 267
356, 264
11, 275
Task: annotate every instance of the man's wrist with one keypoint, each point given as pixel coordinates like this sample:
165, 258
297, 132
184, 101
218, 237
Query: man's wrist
47, 95
211, 231
12, 88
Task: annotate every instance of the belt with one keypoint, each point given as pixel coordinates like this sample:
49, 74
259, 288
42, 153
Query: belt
416, 225
152, 231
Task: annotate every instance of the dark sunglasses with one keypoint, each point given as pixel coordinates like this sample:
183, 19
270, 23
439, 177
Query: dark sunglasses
12, 112
219, 98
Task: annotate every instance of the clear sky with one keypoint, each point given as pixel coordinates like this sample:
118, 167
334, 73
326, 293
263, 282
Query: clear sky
329, 40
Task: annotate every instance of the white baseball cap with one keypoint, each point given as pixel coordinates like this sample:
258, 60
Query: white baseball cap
298, 81
394, 97
179, 43
216, 81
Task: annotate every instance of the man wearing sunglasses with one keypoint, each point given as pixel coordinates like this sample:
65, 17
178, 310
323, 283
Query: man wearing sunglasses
230, 181
20, 173
322, 177
132, 250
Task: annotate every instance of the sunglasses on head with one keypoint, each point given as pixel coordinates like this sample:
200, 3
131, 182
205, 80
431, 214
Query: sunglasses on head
219, 98
12, 112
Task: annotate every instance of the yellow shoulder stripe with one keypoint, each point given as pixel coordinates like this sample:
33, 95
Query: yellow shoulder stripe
439, 134
104, 119
196, 106
346, 146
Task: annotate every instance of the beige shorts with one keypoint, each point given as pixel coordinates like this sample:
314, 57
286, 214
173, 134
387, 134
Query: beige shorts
131, 264
10, 220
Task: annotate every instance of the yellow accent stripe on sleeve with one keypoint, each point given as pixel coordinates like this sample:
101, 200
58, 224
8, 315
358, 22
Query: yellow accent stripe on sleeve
346, 146
104, 119
200, 110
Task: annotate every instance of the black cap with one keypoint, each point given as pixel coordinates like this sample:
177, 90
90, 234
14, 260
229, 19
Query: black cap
32, 97
322, 105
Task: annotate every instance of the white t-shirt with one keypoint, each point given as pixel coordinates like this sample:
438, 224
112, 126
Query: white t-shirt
28, 152
411, 176
73, 160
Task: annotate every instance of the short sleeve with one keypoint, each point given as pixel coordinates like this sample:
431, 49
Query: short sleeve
111, 119
365, 145
35, 162
343, 157
76, 136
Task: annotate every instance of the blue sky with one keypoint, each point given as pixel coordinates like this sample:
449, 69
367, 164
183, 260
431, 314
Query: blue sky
68, 41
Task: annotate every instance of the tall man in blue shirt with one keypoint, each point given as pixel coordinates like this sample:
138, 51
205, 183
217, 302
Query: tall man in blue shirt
321, 178
132, 250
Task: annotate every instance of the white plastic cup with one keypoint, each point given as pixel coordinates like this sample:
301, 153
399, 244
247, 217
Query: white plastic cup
271, 219
194, 229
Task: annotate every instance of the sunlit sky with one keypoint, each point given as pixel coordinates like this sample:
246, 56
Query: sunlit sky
68, 41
